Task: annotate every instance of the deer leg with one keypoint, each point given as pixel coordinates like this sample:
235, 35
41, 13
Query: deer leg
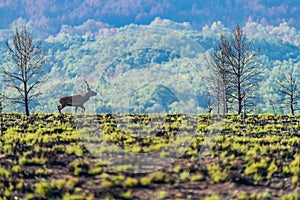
83, 109
59, 108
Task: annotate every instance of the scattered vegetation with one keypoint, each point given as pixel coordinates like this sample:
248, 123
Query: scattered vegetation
43, 156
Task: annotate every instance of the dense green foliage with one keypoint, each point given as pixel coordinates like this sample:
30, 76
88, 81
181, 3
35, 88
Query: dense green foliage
44, 156
175, 58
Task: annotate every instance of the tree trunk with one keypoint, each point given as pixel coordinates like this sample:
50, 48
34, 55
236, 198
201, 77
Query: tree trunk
292, 105
26, 99
239, 95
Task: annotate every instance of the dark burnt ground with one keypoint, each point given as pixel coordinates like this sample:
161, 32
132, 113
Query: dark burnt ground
43, 157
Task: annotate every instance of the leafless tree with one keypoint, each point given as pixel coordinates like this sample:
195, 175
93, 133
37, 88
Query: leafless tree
220, 76
234, 73
242, 60
288, 88
26, 69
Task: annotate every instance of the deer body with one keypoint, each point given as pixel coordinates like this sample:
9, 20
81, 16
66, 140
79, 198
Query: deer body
76, 100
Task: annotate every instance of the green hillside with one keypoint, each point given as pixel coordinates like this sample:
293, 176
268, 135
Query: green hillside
118, 65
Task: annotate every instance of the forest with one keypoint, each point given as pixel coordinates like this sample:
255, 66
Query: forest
172, 60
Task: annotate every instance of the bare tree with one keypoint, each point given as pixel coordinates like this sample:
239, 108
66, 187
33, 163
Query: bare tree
220, 77
25, 72
244, 69
288, 88
235, 73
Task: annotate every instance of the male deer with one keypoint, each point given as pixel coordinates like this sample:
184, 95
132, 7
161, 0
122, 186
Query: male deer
76, 100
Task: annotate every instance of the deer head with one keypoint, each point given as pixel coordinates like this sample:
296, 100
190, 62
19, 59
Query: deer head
90, 92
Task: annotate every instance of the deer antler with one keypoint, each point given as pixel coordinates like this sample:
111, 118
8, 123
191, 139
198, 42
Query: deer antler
87, 84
